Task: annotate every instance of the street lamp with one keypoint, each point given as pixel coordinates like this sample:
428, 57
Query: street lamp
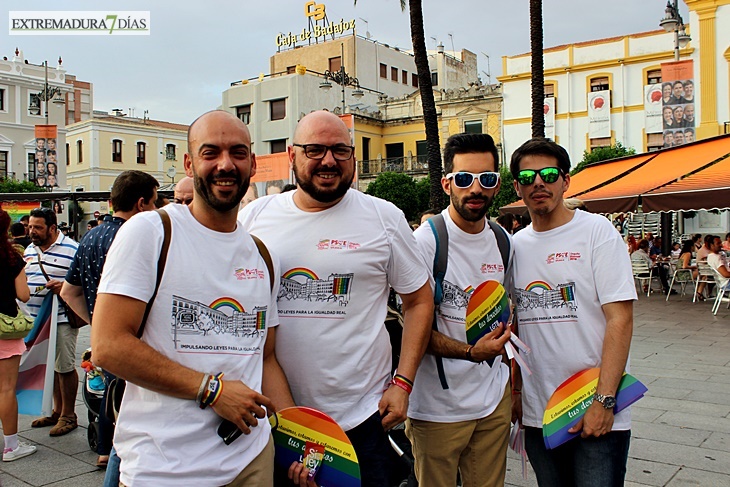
343, 79
49, 92
672, 22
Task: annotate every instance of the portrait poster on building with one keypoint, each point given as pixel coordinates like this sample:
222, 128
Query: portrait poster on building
653, 122
599, 114
46, 156
549, 110
678, 103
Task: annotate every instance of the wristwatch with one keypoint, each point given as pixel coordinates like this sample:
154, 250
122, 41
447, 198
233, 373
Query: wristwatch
608, 402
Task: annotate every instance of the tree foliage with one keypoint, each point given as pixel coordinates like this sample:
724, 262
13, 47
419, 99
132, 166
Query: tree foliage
602, 154
398, 188
15, 186
507, 193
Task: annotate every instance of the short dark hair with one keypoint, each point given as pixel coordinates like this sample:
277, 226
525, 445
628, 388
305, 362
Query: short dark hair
643, 244
129, 187
710, 239
469, 144
540, 146
288, 187
430, 211
17, 229
93, 223
688, 82
47, 214
676, 83
24, 218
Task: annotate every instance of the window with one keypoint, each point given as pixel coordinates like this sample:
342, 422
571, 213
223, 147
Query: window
414, 80
244, 113
291, 69
141, 151
335, 63
3, 164
2, 100
602, 142
549, 91
394, 74
366, 148
404, 77
600, 84
79, 152
435, 79
35, 107
68, 156
654, 77
421, 154
383, 71
116, 150
394, 157
278, 109
654, 142
170, 152
31, 166
278, 146
473, 127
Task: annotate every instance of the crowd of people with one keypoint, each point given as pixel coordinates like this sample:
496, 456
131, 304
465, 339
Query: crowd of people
309, 300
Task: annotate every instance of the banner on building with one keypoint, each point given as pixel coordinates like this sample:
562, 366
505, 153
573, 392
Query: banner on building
45, 172
599, 114
653, 122
549, 110
18, 209
272, 174
678, 103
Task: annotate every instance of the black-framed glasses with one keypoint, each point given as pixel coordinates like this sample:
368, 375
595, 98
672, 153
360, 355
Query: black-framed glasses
463, 179
340, 152
547, 174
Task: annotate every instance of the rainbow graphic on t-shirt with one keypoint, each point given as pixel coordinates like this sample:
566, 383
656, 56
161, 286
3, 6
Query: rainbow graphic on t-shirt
227, 302
571, 399
469, 289
300, 271
538, 285
293, 427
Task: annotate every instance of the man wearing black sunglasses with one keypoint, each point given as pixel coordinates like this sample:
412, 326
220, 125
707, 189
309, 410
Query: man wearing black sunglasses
449, 427
574, 292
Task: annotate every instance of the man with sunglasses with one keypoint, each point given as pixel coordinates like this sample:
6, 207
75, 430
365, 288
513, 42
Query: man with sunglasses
340, 252
574, 293
449, 427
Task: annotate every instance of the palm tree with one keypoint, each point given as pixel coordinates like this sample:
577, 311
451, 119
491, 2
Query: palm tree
430, 118
538, 78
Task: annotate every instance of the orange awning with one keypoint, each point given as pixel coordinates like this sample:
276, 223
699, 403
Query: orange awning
706, 189
669, 165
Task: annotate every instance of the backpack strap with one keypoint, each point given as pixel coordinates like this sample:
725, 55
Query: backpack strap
503, 243
167, 229
264, 252
440, 261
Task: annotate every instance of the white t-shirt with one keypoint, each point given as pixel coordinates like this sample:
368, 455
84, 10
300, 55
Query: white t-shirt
211, 314
562, 278
337, 264
474, 389
716, 261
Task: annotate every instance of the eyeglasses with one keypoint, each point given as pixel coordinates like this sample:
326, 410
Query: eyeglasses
547, 174
462, 179
318, 151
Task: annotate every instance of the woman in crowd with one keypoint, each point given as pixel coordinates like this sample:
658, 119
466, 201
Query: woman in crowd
726, 243
632, 244
13, 284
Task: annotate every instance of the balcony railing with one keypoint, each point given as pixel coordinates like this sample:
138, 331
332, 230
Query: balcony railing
407, 164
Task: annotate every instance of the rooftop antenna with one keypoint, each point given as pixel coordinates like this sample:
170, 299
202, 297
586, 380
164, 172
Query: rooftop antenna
367, 28
489, 69
434, 41
453, 49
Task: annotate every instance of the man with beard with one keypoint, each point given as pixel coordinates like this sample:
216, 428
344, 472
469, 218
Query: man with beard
341, 250
47, 260
574, 292
449, 427
166, 433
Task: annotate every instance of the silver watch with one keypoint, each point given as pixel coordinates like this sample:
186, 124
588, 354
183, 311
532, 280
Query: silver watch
608, 402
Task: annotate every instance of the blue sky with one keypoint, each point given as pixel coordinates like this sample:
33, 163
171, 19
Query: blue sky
196, 49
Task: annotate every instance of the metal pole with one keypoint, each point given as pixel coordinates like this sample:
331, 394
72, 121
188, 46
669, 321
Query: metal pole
45, 91
342, 75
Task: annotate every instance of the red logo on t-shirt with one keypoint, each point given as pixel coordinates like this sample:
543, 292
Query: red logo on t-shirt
562, 257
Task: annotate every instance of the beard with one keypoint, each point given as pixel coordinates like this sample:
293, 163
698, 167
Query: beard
204, 188
460, 205
304, 182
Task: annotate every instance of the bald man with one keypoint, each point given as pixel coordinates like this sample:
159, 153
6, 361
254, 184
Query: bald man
205, 364
184, 191
353, 246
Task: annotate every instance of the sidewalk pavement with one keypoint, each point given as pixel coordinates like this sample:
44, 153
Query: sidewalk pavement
680, 429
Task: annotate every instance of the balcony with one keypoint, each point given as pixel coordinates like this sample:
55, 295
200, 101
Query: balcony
413, 165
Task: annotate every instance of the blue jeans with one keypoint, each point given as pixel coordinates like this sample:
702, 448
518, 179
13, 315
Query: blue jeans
594, 462
111, 478
373, 450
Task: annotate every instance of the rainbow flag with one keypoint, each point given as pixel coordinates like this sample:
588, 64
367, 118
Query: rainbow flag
571, 399
293, 427
35, 378
488, 306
